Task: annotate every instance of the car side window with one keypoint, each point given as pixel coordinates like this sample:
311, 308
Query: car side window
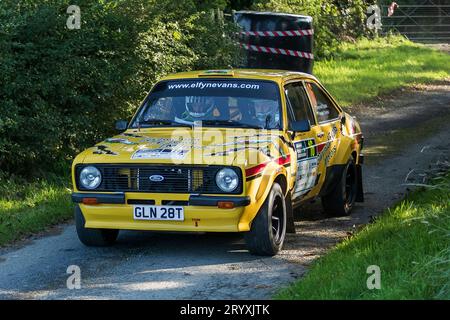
298, 100
321, 104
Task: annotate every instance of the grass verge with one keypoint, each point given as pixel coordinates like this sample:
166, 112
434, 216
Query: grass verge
410, 243
27, 208
368, 68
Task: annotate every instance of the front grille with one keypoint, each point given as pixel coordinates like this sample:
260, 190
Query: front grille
177, 178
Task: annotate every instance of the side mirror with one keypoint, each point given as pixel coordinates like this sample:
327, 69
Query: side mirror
121, 125
300, 126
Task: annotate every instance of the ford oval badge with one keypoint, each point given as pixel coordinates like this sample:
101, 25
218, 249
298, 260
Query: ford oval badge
156, 178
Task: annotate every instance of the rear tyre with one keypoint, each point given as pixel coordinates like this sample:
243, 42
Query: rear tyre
93, 237
339, 202
266, 236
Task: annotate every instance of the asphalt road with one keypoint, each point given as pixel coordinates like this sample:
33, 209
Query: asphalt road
147, 265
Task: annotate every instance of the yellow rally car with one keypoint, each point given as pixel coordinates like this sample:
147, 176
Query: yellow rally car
221, 151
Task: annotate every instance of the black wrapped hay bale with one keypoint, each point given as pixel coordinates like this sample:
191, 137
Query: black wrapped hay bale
276, 40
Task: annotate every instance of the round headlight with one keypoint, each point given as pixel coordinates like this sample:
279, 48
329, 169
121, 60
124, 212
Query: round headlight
227, 180
90, 177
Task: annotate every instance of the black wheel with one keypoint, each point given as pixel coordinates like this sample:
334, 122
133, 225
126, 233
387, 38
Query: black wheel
340, 201
268, 230
93, 237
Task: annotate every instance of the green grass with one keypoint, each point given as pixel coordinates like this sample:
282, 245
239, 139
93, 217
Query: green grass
410, 244
368, 68
27, 208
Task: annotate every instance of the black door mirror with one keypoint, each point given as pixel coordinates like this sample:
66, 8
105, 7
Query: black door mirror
300, 126
121, 125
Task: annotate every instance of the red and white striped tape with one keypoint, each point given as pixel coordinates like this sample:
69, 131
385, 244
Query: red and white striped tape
289, 33
285, 52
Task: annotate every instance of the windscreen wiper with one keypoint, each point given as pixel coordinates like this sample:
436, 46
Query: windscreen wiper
230, 123
164, 122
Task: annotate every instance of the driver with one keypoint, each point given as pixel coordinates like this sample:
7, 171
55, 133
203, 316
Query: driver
267, 113
196, 109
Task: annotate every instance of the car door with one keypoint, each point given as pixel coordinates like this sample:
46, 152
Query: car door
328, 116
306, 144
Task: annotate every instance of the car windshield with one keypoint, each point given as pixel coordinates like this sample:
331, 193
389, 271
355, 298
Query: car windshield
212, 102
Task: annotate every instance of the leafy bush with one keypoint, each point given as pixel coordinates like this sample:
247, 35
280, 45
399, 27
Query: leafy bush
62, 89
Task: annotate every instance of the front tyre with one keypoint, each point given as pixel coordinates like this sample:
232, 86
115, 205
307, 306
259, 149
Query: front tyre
339, 202
93, 237
268, 230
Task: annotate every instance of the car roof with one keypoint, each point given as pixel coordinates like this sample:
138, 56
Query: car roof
257, 74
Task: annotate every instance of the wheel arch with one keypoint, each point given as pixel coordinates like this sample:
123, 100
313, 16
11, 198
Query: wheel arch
282, 181
261, 192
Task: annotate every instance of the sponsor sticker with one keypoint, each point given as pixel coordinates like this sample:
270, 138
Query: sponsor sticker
306, 175
101, 149
307, 166
306, 149
175, 154
119, 140
164, 148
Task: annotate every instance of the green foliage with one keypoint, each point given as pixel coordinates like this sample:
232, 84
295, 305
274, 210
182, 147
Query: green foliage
371, 67
62, 89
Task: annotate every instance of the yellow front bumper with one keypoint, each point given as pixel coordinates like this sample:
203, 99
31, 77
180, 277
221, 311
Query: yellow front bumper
196, 218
